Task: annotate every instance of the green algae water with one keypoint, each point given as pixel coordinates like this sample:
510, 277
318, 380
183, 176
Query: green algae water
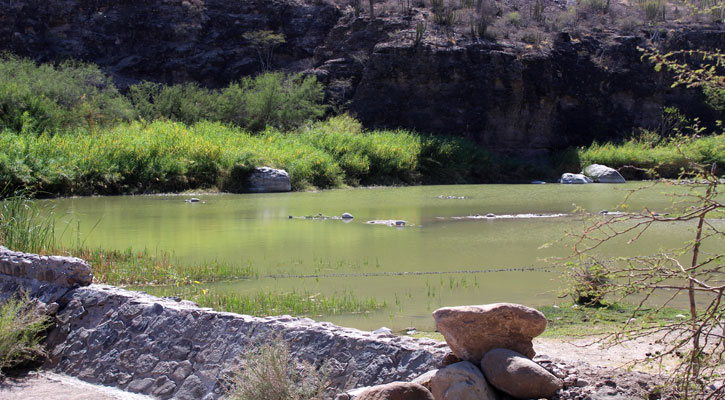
470, 244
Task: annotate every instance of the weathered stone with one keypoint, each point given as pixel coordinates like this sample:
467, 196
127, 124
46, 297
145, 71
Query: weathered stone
425, 379
518, 376
192, 389
471, 331
574, 179
140, 385
461, 381
603, 174
267, 180
60, 271
396, 391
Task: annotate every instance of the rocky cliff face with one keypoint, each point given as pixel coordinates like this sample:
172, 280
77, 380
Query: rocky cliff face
505, 97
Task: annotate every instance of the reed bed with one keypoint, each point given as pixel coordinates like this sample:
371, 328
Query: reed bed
268, 303
165, 156
667, 159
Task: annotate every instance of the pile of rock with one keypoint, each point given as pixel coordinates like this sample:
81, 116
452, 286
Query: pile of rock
492, 348
593, 173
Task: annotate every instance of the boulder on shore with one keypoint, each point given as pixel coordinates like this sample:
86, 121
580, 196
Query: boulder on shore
518, 376
396, 391
471, 331
603, 174
574, 179
268, 180
461, 381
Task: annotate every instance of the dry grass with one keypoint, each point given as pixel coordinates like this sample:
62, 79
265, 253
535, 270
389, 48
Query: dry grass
21, 326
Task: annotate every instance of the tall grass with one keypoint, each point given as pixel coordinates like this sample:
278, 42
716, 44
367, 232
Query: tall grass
24, 227
267, 303
141, 157
668, 159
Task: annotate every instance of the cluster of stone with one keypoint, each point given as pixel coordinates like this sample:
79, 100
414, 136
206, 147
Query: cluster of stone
493, 346
593, 173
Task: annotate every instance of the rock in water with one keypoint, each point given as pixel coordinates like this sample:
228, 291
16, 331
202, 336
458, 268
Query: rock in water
347, 216
568, 178
603, 174
518, 376
471, 331
461, 381
396, 391
267, 180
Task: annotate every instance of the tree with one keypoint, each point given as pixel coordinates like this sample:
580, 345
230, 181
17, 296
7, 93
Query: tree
265, 41
694, 270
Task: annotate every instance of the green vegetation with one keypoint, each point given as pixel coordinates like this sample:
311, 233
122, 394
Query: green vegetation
267, 371
267, 303
46, 99
23, 227
21, 327
667, 158
140, 157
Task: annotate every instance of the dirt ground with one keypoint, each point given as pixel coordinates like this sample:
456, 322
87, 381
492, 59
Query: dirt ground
44, 385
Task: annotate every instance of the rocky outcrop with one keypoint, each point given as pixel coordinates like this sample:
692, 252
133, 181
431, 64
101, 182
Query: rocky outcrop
518, 376
65, 272
575, 179
269, 180
603, 174
471, 331
528, 103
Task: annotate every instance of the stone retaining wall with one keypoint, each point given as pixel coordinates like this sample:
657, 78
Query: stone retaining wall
171, 348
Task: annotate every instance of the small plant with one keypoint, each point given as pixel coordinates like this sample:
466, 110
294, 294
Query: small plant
420, 29
267, 371
537, 11
23, 227
514, 18
654, 10
21, 326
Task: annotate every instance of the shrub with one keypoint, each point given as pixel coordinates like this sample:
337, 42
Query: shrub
47, 98
514, 18
21, 326
187, 103
268, 372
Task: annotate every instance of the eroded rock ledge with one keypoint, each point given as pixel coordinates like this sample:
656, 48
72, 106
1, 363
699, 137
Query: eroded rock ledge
172, 348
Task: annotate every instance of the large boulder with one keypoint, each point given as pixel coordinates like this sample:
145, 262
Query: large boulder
267, 180
471, 331
518, 376
574, 179
603, 174
461, 381
396, 391
56, 270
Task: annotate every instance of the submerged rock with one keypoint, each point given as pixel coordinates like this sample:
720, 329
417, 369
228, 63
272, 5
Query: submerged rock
569, 178
471, 331
603, 174
347, 216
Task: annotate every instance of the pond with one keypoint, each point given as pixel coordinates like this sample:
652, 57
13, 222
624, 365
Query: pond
440, 257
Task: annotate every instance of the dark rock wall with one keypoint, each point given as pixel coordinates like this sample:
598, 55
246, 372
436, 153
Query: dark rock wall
513, 100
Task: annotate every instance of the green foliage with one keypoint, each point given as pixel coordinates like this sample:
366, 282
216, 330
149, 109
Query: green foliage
654, 10
264, 42
420, 29
187, 103
514, 18
21, 326
267, 371
141, 157
270, 99
668, 158
50, 98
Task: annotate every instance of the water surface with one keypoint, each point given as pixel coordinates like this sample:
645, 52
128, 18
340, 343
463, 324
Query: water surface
455, 260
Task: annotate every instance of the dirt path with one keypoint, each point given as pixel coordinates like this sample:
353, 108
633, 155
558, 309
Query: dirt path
45, 385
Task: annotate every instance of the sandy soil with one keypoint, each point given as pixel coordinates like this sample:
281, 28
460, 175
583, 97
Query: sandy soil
45, 385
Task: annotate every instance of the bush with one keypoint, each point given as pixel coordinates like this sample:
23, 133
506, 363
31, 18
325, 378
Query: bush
268, 372
48, 99
187, 103
21, 326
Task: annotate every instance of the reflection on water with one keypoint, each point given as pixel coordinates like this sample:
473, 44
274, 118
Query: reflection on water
458, 244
